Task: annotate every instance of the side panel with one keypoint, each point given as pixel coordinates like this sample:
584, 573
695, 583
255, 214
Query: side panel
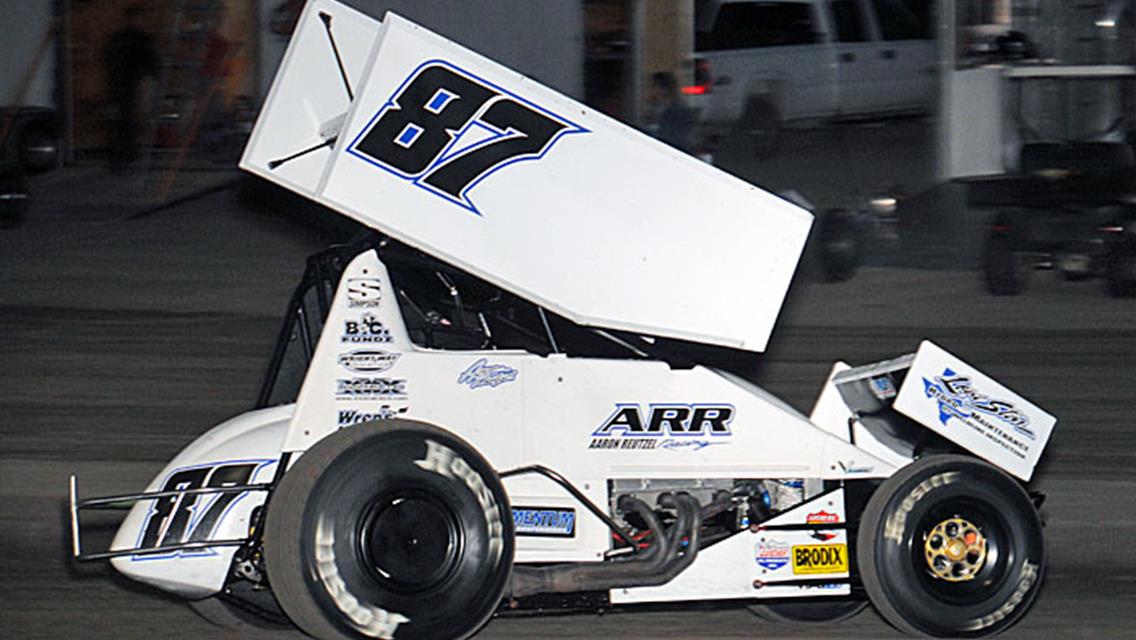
751, 562
591, 420
243, 450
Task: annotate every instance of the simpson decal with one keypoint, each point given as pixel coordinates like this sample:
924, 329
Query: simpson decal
364, 292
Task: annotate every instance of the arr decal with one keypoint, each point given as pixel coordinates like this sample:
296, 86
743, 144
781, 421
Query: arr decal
444, 130
664, 426
482, 374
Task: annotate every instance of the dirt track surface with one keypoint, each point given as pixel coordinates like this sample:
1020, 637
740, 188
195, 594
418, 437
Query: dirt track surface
121, 340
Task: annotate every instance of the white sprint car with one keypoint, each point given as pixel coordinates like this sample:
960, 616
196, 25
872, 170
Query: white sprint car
495, 404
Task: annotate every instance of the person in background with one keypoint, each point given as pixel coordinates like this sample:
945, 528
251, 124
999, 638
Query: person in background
674, 120
130, 59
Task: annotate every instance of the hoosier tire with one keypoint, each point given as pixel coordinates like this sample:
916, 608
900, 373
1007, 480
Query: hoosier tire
389, 530
951, 546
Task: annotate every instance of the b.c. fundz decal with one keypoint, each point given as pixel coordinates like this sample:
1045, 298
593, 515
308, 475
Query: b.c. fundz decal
445, 130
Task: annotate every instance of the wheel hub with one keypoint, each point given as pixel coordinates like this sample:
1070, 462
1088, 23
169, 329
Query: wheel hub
955, 550
411, 542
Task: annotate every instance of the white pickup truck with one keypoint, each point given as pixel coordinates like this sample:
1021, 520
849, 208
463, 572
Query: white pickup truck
762, 64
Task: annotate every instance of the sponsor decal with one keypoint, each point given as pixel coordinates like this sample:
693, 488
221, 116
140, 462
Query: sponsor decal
364, 292
482, 374
822, 517
182, 518
544, 522
823, 536
444, 130
362, 388
820, 558
677, 427
850, 467
957, 398
368, 361
367, 329
883, 387
771, 555
350, 417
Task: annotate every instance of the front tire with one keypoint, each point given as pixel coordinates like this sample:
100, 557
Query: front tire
951, 546
391, 530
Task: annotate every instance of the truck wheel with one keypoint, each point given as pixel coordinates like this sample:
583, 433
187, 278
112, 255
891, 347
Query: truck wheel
951, 546
839, 245
809, 612
390, 529
1121, 270
38, 149
760, 126
1007, 271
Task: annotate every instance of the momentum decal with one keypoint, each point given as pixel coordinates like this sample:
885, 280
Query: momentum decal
664, 426
445, 130
544, 522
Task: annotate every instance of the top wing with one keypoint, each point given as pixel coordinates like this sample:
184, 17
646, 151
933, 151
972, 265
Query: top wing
494, 173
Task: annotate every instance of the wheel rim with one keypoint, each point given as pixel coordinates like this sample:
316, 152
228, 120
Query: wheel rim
961, 551
411, 541
955, 550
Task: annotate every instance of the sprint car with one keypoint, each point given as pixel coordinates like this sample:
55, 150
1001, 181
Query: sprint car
495, 403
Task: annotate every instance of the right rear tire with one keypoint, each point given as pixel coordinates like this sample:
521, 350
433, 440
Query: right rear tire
951, 546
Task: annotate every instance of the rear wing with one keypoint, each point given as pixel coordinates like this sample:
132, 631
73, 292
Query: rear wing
488, 170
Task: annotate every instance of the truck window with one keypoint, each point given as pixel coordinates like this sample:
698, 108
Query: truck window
849, 21
904, 19
748, 25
